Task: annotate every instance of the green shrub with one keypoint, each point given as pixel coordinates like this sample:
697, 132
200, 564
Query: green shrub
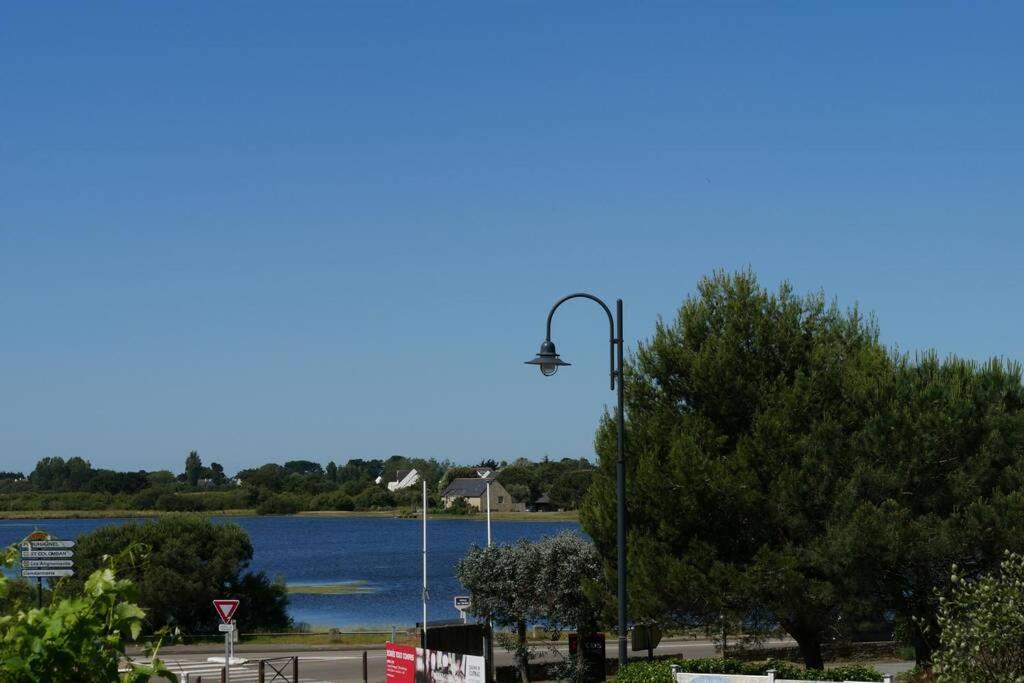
645, 672
661, 672
853, 673
335, 500
232, 499
282, 504
145, 499
172, 502
917, 675
81, 637
982, 624
374, 498
185, 561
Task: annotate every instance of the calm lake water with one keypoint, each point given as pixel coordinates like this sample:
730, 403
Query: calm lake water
385, 553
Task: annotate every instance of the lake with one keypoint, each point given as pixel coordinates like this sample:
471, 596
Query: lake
385, 553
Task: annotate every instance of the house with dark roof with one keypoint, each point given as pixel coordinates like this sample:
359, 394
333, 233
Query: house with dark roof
542, 504
474, 491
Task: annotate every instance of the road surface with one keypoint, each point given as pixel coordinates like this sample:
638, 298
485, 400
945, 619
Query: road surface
346, 665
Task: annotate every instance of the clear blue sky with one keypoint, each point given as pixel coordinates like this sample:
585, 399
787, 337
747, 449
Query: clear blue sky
327, 230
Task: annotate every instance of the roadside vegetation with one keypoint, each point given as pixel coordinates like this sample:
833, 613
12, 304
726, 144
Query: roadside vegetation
79, 637
661, 671
533, 582
982, 621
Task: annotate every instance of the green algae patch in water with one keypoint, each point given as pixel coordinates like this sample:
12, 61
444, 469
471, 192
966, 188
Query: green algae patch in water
345, 588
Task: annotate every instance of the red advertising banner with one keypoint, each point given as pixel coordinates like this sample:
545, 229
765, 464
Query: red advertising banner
400, 663
404, 664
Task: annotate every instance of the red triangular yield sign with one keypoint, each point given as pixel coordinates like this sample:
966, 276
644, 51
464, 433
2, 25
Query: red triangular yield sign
226, 609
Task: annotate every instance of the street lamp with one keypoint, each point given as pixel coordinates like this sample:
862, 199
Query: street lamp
548, 361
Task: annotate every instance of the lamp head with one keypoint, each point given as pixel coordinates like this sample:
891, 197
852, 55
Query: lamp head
547, 359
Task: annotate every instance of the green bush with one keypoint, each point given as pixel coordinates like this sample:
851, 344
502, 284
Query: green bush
645, 672
81, 637
145, 499
231, 499
374, 498
661, 672
982, 624
187, 562
172, 502
917, 675
335, 500
281, 504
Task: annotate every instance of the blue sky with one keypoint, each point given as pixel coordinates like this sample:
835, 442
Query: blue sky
271, 231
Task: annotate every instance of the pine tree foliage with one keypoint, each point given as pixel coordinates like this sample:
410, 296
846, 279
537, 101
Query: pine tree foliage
742, 417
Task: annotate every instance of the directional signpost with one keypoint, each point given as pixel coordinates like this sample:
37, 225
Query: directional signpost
45, 556
463, 603
40, 573
225, 610
32, 553
47, 564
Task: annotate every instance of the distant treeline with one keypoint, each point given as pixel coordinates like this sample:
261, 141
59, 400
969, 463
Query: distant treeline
298, 485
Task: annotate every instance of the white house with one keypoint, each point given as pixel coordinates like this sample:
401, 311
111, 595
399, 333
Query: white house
474, 490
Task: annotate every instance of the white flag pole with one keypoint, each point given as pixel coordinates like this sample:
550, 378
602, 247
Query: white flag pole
488, 513
424, 564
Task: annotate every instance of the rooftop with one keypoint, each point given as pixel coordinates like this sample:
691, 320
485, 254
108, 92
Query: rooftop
466, 487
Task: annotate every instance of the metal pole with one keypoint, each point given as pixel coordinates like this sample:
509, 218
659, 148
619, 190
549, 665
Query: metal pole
295, 669
615, 352
262, 674
39, 593
424, 565
225, 674
490, 622
620, 484
365, 677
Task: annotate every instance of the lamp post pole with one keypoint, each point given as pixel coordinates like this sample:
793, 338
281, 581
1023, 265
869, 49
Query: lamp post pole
620, 492
549, 362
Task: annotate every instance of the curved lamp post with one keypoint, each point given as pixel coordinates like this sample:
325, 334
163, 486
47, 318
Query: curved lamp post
549, 362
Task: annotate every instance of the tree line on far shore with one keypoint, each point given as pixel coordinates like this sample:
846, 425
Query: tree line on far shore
297, 485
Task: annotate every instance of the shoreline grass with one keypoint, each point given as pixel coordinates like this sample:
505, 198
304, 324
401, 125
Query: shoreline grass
110, 514
562, 516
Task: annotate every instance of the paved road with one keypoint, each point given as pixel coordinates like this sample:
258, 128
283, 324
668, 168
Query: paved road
345, 666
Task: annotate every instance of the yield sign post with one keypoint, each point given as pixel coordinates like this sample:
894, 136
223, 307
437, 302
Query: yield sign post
225, 609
